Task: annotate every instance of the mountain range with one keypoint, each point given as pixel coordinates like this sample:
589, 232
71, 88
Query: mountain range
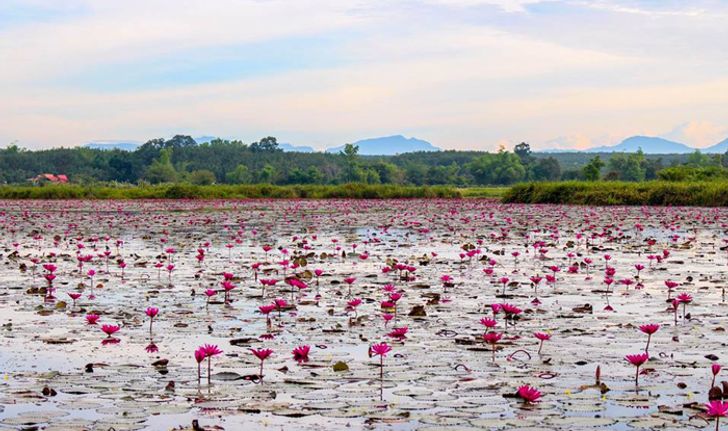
649, 145
653, 145
386, 145
398, 144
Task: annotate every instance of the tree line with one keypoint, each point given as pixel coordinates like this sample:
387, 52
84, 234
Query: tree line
181, 159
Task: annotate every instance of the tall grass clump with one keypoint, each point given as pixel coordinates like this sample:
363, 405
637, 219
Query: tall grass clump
225, 191
700, 193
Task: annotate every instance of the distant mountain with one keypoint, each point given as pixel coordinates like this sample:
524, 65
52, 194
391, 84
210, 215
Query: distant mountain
113, 145
648, 144
295, 148
720, 147
388, 146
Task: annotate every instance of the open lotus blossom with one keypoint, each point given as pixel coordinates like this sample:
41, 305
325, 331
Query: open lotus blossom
670, 286
649, 330
488, 322
717, 409
266, 310
529, 394
398, 333
280, 304
91, 319
349, 281
110, 330
210, 350
541, 336
492, 338
381, 350
300, 353
684, 299
504, 281
262, 355
352, 305
637, 360
74, 296
152, 313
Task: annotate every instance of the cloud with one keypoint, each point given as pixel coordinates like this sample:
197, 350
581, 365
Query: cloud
698, 133
461, 73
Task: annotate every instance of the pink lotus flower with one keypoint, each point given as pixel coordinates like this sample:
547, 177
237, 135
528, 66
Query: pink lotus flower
74, 296
488, 322
541, 336
261, 354
380, 349
91, 319
398, 333
715, 369
685, 298
529, 394
352, 305
110, 330
717, 409
649, 330
209, 350
300, 353
209, 293
492, 338
267, 309
637, 360
349, 281
152, 313
200, 356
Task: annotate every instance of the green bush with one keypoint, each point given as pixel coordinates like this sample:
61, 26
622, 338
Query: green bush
243, 191
701, 193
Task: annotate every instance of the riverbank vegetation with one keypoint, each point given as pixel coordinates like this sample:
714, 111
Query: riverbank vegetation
182, 160
257, 191
675, 193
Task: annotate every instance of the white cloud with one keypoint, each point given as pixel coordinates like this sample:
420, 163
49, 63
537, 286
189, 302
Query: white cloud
699, 133
506, 5
460, 75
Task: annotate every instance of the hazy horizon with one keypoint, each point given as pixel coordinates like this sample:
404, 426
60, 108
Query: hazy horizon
461, 74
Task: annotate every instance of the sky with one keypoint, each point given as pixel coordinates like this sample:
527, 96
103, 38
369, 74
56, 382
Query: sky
462, 74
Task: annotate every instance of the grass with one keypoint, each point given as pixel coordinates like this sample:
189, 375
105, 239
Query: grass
188, 191
483, 192
705, 193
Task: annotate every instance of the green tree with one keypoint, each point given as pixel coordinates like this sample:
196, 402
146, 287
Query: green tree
547, 169
628, 167
266, 145
161, 170
592, 170
202, 177
267, 174
500, 168
240, 175
351, 160
523, 151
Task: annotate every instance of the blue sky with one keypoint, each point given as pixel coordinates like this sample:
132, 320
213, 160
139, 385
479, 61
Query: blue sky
471, 74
